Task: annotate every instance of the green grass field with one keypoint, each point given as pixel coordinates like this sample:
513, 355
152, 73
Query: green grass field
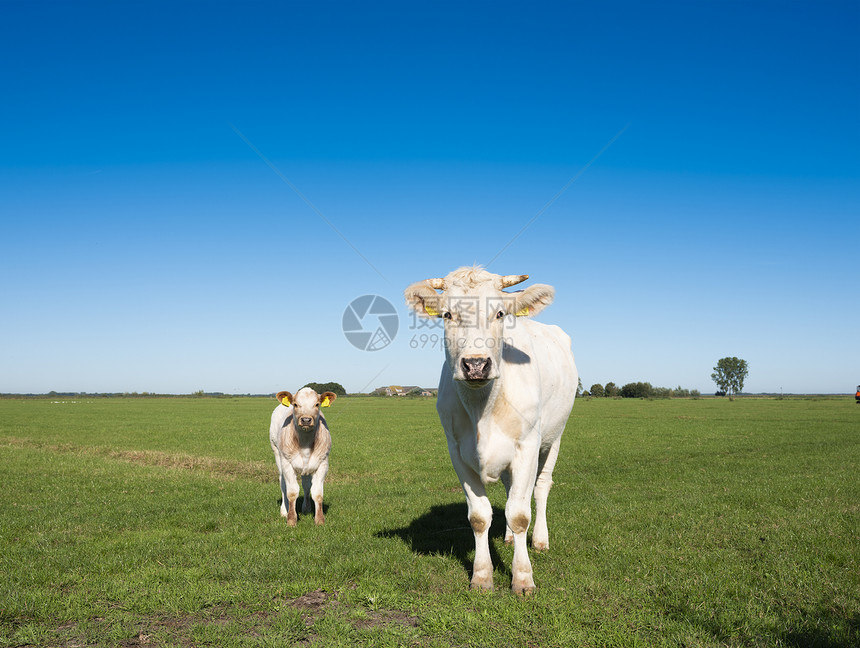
672, 523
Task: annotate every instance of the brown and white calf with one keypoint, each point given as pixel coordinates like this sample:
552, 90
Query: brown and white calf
301, 442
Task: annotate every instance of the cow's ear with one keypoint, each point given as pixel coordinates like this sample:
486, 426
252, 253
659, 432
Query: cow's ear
423, 299
533, 300
285, 398
327, 399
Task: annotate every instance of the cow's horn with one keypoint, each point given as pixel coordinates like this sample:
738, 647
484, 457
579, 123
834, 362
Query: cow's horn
437, 284
513, 280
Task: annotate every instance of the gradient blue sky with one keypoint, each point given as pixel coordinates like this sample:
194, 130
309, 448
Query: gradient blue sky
146, 246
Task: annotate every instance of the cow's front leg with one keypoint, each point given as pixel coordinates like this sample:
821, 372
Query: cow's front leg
518, 515
480, 513
480, 518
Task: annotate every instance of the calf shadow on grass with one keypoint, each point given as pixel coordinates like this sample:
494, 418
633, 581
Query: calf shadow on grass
444, 530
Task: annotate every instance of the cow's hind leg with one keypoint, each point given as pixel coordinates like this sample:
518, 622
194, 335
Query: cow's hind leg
546, 464
506, 480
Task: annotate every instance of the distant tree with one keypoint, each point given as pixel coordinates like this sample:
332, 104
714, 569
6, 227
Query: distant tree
637, 390
579, 387
729, 374
319, 388
597, 390
611, 390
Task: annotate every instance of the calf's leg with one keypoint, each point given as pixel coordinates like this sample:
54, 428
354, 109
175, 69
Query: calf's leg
292, 496
317, 482
284, 501
307, 507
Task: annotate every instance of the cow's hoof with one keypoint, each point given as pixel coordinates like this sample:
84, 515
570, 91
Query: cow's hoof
523, 586
291, 521
319, 521
509, 539
482, 584
540, 545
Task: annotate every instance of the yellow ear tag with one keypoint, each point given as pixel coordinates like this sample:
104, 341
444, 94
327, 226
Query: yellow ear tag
326, 402
285, 401
523, 312
431, 311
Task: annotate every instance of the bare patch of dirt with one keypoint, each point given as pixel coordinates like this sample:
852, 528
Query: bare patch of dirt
260, 471
154, 630
313, 601
219, 468
387, 617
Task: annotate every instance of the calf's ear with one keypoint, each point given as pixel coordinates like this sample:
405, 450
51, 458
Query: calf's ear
327, 399
423, 299
285, 398
533, 299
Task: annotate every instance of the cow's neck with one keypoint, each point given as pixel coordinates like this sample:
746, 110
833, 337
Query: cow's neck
477, 401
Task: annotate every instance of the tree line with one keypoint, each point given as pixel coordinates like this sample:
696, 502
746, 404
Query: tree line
729, 375
638, 390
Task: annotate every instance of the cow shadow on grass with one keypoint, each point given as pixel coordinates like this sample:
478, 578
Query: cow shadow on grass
444, 531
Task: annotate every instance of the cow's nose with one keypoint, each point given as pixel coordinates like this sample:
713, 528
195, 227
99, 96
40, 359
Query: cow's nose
305, 421
476, 368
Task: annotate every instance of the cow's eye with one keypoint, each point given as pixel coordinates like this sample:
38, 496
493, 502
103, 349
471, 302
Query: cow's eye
446, 315
500, 314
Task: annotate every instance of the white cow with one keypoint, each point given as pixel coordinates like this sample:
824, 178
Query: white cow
506, 391
301, 442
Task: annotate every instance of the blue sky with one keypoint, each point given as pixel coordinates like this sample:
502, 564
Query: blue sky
153, 239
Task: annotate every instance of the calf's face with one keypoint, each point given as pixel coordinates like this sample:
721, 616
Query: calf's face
306, 407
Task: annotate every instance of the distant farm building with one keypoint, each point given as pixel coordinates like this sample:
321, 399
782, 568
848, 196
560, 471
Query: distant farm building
403, 390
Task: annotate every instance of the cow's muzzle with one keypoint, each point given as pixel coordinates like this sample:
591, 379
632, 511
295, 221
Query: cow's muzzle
476, 368
306, 421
